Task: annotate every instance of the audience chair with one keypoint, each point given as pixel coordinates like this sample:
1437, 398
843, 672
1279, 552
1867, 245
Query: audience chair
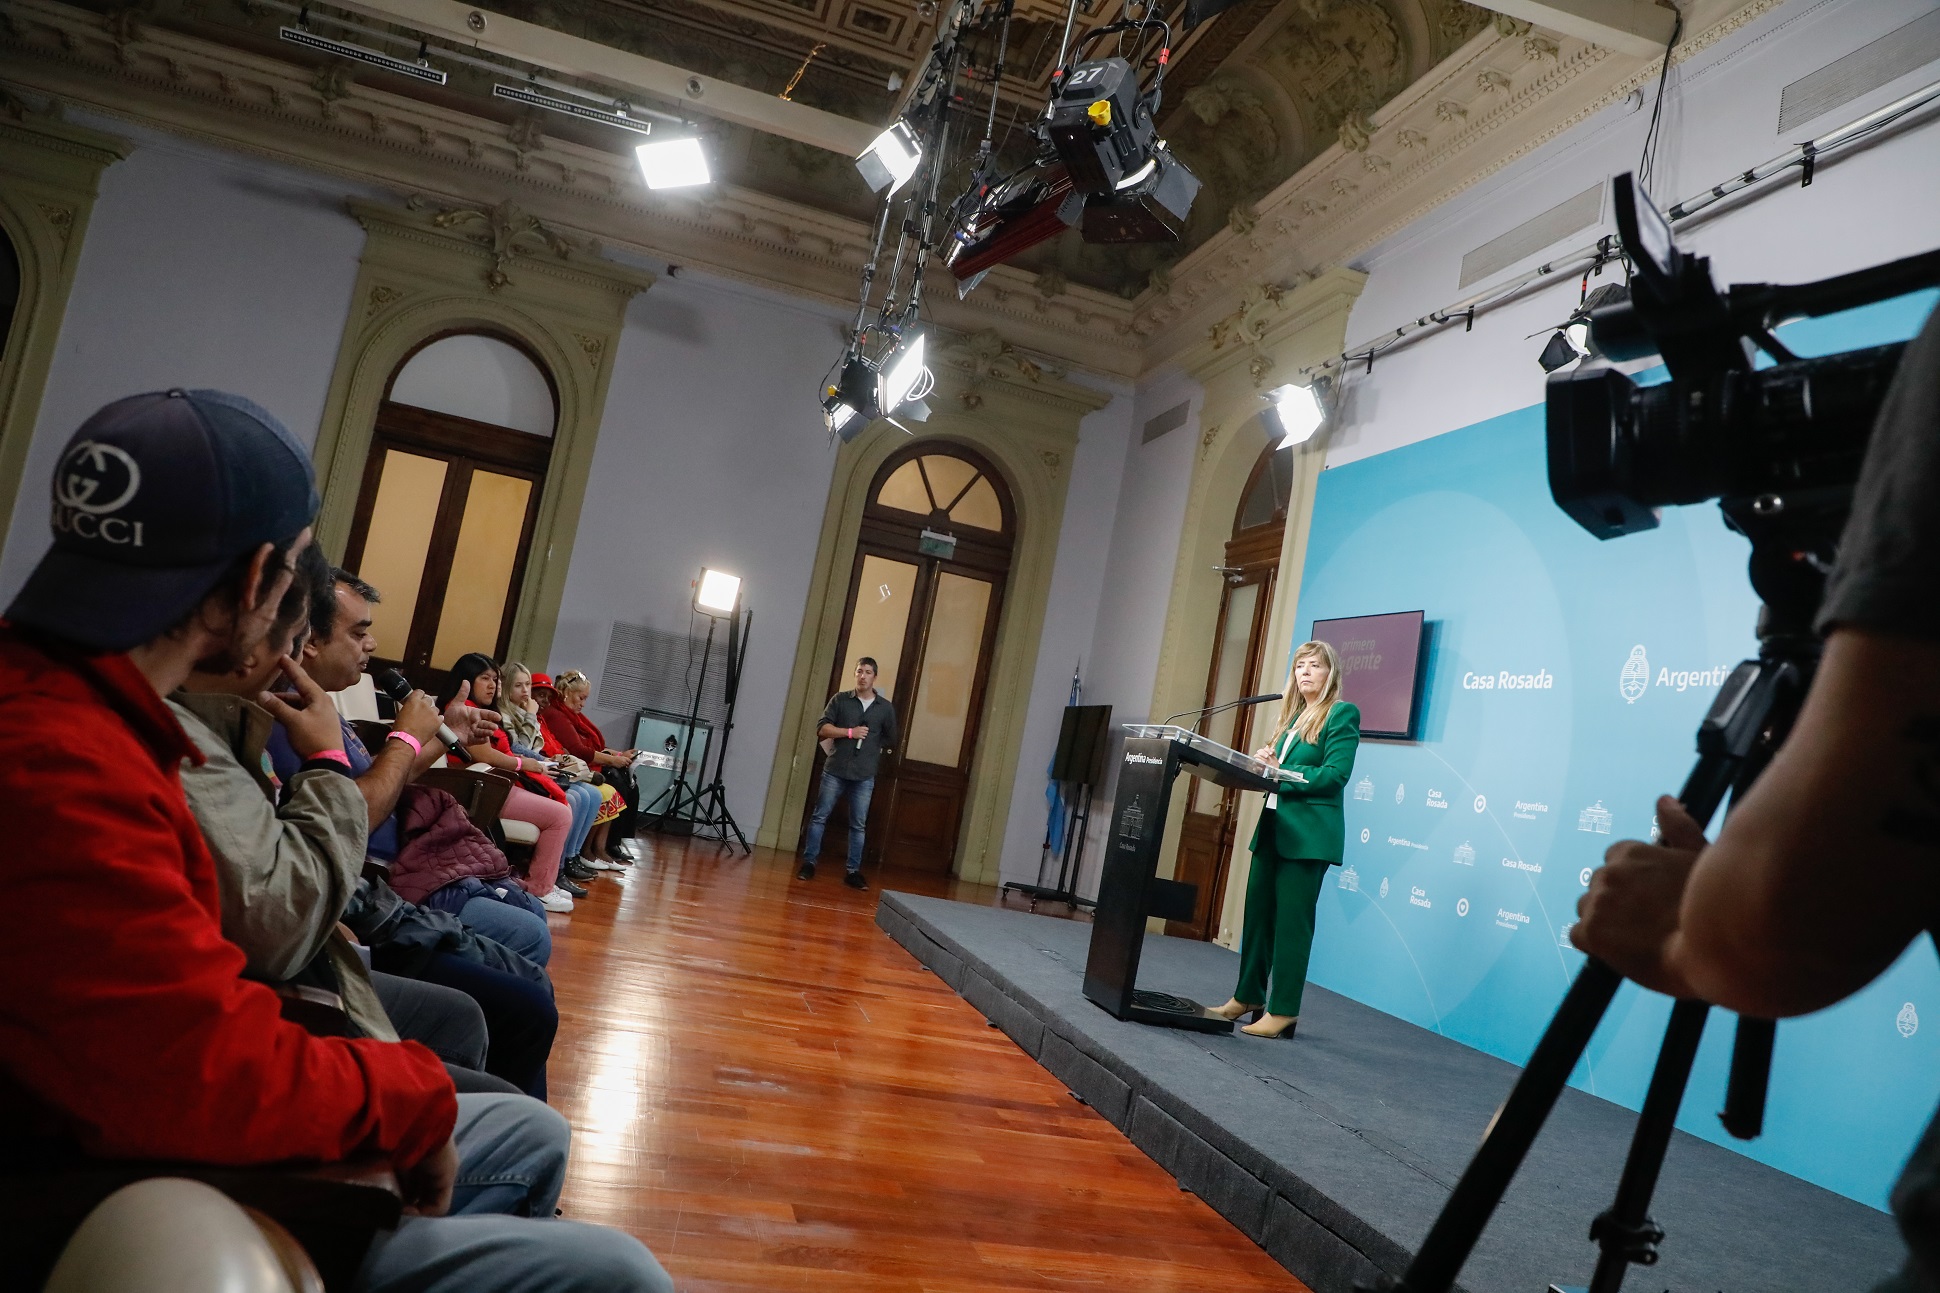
172, 1233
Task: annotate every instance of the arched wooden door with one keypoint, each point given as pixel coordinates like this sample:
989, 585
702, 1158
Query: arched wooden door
925, 595
450, 493
1239, 638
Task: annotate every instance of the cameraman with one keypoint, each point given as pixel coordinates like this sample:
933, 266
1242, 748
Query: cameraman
1830, 865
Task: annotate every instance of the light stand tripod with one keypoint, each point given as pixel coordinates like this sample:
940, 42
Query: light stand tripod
707, 804
1746, 725
1077, 822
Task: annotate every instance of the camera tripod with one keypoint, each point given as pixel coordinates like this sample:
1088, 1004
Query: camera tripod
1792, 545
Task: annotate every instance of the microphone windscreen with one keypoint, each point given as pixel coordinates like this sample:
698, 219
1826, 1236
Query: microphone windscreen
1261, 700
392, 683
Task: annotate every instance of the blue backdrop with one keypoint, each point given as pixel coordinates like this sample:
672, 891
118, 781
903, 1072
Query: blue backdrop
1468, 848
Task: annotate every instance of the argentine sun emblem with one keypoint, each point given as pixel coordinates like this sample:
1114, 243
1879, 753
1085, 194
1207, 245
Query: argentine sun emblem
1908, 1020
1635, 676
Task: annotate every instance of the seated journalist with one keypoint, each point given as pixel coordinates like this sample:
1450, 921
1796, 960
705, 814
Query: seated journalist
288, 856
1830, 866
130, 1031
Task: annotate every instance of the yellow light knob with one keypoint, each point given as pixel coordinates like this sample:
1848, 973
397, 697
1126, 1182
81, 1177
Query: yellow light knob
1100, 112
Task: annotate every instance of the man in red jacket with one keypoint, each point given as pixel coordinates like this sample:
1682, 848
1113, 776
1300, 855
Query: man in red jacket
129, 1031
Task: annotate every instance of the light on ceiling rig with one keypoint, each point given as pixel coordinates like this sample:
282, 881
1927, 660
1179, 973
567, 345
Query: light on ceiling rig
673, 163
1294, 413
887, 163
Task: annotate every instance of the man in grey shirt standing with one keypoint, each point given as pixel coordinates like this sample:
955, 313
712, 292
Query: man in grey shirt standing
856, 728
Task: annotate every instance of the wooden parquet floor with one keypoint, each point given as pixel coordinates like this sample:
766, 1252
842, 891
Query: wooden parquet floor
773, 1095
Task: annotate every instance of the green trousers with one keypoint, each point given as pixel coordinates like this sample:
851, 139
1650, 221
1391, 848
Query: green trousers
1277, 938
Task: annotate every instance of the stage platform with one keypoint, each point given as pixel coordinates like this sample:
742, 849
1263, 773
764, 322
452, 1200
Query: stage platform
1335, 1151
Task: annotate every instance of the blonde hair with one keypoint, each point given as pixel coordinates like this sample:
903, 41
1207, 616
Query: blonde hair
519, 721
1296, 715
572, 680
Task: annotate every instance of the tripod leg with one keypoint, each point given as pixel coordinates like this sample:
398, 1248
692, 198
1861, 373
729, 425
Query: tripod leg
1626, 1233
1751, 1071
1488, 1175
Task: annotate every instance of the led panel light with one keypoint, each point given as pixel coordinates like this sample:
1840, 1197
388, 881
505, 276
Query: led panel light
901, 374
1296, 411
888, 163
619, 120
717, 592
358, 54
673, 163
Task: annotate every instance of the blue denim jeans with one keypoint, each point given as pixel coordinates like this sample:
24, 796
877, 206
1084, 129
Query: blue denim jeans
583, 797
499, 1236
834, 788
509, 924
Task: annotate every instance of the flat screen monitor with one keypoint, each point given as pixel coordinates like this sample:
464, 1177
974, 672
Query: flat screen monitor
1380, 661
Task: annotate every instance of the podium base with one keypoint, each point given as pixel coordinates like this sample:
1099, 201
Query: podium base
1168, 1011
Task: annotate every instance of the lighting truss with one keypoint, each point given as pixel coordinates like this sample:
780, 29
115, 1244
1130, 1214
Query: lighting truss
419, 70
585, 112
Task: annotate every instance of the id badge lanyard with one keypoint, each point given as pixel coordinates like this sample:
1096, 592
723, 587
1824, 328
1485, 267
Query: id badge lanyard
1279, 756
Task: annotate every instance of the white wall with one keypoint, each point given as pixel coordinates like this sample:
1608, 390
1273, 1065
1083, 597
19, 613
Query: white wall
712, 452
1130, 628
200, 269
1078, 583
1720, 118
481, 378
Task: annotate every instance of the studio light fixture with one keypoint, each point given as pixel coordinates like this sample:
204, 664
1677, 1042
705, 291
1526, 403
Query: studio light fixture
585, 112
716, 592
1561, 352
1294, 413
673, 163
901, 374
420, 70
887, 163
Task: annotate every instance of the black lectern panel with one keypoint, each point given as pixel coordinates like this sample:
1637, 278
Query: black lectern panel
1129, 889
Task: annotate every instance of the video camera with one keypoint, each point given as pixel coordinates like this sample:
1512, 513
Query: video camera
1780, 447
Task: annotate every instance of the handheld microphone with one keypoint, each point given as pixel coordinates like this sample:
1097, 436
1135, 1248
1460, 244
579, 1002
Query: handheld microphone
398, 688
1231, 704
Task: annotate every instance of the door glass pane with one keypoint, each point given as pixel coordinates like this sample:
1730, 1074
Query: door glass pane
401, 522
904, 490
481, 568
979, 508
947, 476
1229, 680
949, 672
882, 601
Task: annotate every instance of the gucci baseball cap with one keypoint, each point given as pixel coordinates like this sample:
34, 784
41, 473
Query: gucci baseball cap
155, 497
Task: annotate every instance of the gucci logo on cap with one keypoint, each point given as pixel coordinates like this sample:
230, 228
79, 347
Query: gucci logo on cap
96, 478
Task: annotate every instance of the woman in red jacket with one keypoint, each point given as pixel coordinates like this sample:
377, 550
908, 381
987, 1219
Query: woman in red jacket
564, 719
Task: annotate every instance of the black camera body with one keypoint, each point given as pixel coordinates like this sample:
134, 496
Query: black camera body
1780, 447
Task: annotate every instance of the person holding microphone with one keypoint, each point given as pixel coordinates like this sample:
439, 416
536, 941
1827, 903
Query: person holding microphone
1302, 832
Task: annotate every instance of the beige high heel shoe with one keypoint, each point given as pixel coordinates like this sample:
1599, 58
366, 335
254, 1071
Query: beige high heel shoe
1272, 1026
1233, 1009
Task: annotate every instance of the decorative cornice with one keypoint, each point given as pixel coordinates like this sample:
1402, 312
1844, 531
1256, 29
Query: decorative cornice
1501, 96
269, 108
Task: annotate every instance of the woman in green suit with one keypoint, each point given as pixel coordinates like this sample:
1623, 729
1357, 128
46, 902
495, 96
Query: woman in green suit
1301, 834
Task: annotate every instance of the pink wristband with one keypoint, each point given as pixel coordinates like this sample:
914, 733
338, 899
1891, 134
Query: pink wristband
335, 756
417, 746
518, 763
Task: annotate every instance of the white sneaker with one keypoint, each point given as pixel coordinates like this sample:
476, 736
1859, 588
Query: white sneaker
600, 864
558, 901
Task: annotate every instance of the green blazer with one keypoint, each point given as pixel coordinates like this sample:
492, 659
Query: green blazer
1309, 823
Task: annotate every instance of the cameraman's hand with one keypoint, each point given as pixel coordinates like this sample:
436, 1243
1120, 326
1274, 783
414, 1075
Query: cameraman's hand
427, 1187
418, 717
1630, 913
311, 721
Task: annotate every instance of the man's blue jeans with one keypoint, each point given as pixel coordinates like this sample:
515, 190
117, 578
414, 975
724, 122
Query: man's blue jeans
834, 788
499, 1236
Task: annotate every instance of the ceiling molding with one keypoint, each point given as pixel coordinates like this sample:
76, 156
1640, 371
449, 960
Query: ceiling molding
1495, 100
339, 126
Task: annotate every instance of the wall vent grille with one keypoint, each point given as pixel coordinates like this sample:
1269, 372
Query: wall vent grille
1866, 68
1170, 420
1532, 235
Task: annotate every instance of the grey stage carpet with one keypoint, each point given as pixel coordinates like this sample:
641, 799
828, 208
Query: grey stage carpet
1335, 1151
